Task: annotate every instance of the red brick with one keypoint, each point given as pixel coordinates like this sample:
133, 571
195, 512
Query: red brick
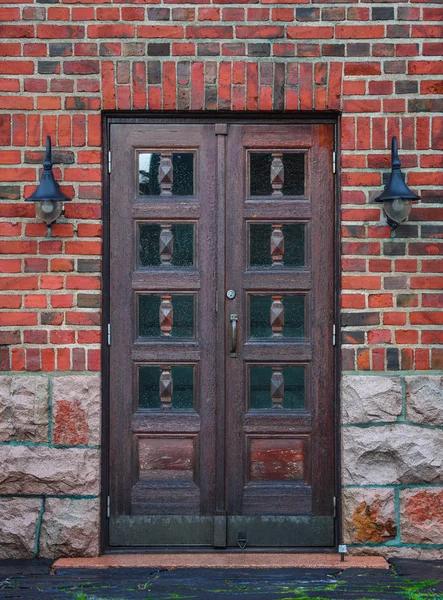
379, 336
306, 32
201, 32
359, 32
59, 32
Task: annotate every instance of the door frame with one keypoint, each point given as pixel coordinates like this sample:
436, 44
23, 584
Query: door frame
193, 117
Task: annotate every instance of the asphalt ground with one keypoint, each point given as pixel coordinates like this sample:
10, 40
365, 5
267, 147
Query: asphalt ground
406, 579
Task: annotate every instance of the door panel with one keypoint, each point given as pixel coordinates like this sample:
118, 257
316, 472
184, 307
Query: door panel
163, 326
221, 408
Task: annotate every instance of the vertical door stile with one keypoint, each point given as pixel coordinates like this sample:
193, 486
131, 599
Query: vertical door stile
221, 130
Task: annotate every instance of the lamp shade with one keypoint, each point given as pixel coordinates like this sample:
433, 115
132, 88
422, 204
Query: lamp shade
396, 187
48, 188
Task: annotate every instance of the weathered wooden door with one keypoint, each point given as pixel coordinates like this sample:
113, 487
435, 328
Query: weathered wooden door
221, 357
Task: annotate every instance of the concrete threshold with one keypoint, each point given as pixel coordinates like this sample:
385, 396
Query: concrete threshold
222, 561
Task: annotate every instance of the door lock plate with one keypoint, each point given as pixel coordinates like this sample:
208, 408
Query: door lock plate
230, 294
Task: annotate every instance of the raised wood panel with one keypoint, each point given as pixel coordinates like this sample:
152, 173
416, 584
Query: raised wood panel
277, 459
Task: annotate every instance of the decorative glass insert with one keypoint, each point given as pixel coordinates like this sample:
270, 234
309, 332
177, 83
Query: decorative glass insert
276, 244
166, 387
277, 173
276, 387
277, 316
166, 244
165, 316
166, 173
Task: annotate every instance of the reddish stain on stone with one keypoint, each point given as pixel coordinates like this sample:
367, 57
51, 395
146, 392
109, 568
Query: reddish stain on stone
370, 525
71, 427
425, 506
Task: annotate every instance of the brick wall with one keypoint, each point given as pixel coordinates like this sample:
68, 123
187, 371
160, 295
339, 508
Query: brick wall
64, 62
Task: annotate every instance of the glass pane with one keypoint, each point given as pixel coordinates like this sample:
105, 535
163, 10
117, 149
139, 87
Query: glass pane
268, 176
152, 250
182, 387
166, 173
261, 247
277, 316
260, 387
156, 319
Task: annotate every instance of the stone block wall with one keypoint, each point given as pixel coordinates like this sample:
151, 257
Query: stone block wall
392, 476
49, 465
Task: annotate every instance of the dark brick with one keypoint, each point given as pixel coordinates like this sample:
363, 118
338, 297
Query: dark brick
394, 248
184, 99
48, 67
64, 157
158, 14
60, 49
9, 337
183, 73
383, 13
396, 283
88, 300
154, 72
333, 50
51, 318
353, 337
110, 49
357, 319
307, 14
359, 49
406, 230
398, 31
211, 98
159, 49
432, 197
183, 14
335, 13
392, 357
212, 49
9, 192
424, 105
259, 50
432, 231
383, 49
406, 300
395, 66
279, 86
406, 87
134, 49
48, 1
89, 265
348, 359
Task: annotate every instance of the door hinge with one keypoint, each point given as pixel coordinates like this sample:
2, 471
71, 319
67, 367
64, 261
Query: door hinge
334, 161
108, 507
109, 161
109, 334
334, 502
333, 335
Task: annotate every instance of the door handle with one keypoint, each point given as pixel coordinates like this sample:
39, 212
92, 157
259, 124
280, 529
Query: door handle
233, 319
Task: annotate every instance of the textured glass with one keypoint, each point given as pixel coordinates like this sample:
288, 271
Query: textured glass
149, 245
149, 319
182, 174
294, 173
183, 387
260, 387
260, 316
260, 245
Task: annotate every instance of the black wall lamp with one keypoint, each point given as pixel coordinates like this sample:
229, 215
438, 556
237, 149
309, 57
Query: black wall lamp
48, 197
397, 198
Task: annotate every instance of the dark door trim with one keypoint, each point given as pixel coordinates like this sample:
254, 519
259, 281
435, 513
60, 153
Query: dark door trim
114, 117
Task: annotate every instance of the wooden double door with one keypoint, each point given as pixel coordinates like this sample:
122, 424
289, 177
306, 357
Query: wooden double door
221, 355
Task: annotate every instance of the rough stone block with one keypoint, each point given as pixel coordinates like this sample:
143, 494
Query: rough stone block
76, 410
70, 528
370, 399
24, 408
18, 524
421, 520
424, 399
368, 515
392, 454
44, 470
